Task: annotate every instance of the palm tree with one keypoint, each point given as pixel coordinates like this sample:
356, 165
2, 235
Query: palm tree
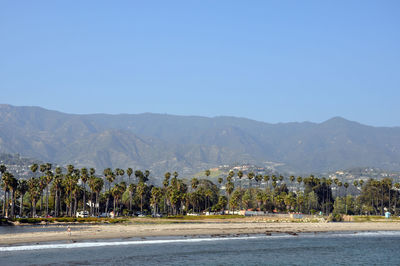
240, 175
329, 184
258, 179
266, 180
281, 178
110, 176
33, 189
155, 196
299, 180
84, 178
117, 192
13, 187
48, 178
129, 172
250, 176
42, 186
131, 189
22, 189
167, 176
141, 190
346, 185
292, 178
57, 184
71, 181
70, 169
6, 179
99, 183
229, 189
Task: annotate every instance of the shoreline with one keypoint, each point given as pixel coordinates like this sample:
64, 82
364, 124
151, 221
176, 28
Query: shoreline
222, 228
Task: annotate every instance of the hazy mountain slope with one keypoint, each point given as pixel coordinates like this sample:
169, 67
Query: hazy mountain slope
190, 143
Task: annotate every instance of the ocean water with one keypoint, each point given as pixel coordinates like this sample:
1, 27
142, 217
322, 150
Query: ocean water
363, 248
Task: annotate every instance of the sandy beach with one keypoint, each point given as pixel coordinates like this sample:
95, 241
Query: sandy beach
213, 228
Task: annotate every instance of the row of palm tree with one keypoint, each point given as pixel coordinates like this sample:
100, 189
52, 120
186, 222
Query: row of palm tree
68, 190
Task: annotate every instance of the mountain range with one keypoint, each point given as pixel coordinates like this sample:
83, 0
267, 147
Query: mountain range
189, 144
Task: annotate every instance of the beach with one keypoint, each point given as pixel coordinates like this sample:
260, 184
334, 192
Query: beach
147, 228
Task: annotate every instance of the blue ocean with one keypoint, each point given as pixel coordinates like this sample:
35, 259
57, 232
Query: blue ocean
350, 248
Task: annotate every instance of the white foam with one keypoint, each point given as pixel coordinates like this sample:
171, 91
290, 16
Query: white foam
119, 243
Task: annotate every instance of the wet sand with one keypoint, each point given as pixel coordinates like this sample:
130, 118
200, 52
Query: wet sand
213, 228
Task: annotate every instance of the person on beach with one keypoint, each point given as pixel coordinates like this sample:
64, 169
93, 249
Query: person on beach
69, 230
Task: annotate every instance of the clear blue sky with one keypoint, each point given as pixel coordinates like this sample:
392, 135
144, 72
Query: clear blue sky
274, 61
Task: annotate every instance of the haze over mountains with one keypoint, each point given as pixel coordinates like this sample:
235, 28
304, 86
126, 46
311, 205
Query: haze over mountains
189, 144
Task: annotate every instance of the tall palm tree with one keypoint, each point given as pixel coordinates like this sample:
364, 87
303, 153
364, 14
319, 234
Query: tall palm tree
346, 186
131, 190
13, 187
250, 176
240, 175
121, 173
299, 180
84, 178
33, 189
22, 189
281, 179
48, 178
266, 180
99, 183
258, 179
110, 176
117, 192
5, 177
230, 186
141, 190
155, 197
129, 172
42, 186
57, 183
292, 178
71, 181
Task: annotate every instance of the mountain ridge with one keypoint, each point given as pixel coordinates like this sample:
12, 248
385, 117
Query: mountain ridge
163, 142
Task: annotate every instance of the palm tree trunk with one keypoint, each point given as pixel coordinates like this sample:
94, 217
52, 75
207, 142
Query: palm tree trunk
75, 205
41, 202
7, 203
141, 203
84, 197
47, 200
91, 203
34, 208
12, 203
21, 205
130, 201
97, 207
4, 203
55, 204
